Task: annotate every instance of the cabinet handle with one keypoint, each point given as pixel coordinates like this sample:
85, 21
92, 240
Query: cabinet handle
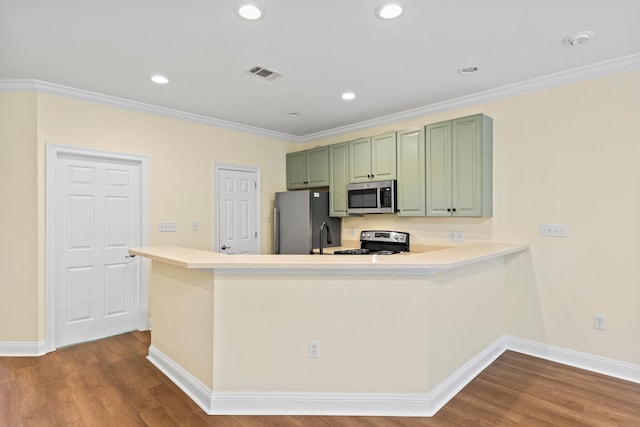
454, 209
448, 209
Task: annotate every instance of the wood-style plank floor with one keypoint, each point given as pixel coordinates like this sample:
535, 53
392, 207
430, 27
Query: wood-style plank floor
110, 383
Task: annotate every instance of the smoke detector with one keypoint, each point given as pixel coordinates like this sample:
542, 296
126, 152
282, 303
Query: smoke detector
578, 38
264, 73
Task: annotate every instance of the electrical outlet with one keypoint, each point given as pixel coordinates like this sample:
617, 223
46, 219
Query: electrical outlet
599, 322
165, 227
314, 349
195, 226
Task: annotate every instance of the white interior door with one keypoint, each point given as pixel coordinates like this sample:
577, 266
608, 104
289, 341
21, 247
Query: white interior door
97, 219
237, 212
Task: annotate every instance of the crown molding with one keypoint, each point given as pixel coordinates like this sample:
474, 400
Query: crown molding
577, 75
37, 86
601, 69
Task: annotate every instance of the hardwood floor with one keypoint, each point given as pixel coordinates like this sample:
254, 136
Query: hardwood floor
110, 383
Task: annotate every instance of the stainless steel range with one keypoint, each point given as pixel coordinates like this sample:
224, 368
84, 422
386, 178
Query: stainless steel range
379, 242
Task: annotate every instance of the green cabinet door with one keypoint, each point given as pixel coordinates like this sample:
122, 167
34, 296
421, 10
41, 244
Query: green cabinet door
338, 178
411, 172
472, 171
373, 159
438, 161
308, 169
360, 160
383, 157
297, 170
318, 167
460, 167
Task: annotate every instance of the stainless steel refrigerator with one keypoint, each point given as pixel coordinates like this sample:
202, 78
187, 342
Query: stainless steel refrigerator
297, 219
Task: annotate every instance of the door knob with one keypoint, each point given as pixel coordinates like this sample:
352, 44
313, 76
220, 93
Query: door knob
223, 247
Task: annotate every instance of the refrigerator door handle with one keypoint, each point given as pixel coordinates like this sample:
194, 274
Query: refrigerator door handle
276, 231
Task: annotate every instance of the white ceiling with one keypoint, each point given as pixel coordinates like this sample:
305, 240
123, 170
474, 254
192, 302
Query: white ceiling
322, 48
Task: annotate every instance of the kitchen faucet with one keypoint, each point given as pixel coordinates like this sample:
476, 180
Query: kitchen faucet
322, 227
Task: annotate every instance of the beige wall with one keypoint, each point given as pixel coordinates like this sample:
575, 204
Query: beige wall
566, 155
182, 303
182, 156
19, 257
377, 333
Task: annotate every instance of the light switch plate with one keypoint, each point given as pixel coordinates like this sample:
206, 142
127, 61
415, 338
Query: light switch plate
553, 230
314, 349
167, 227
456, 236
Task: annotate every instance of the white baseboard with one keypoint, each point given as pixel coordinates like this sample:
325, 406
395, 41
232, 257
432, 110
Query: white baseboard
193, 387
355, 404
601, 365
22, 348
306, 403
447, 389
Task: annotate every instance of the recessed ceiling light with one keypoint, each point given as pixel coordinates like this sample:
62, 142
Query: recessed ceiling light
468, 70
348, 96
294, 114
249, 11
159, 79
389, 10
578, 38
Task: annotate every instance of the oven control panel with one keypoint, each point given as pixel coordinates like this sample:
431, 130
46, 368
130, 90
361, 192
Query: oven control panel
384, 236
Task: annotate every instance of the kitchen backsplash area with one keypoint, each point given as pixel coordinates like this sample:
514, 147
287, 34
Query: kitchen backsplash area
422, 230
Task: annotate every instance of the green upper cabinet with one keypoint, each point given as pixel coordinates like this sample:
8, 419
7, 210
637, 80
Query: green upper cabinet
308, 169
297, 170
459, 167
411, 172
338, 178
360, 160
318, 167
373, 159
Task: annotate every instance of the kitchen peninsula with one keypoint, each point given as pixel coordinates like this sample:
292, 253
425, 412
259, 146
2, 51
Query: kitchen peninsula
391, 335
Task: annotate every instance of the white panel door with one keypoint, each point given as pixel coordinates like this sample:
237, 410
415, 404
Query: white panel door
97, 220
238, 211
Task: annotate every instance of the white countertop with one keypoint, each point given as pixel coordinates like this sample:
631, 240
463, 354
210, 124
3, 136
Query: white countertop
406, 263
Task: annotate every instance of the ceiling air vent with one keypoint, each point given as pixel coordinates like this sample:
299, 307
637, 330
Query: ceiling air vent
264, 73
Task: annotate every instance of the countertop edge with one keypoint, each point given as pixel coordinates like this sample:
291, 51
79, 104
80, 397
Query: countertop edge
415, 263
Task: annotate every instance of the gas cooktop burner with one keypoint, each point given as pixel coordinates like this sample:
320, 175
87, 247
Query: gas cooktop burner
352, 252
379, 242
364, 252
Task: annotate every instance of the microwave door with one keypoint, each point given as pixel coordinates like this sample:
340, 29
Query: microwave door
363, 199
356, 199
370, 197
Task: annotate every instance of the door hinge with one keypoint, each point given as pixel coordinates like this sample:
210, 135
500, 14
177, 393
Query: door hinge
256, 234
255, 185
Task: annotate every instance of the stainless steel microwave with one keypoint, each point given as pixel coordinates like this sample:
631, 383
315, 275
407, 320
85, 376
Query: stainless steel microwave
371, 197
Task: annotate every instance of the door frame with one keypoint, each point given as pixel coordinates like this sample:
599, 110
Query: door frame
53, 152
216, 201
